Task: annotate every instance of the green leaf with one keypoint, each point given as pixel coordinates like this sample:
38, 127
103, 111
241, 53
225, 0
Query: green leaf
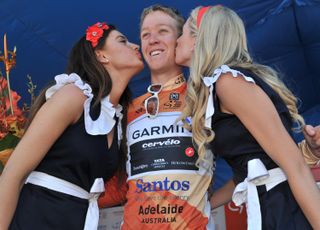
9, 141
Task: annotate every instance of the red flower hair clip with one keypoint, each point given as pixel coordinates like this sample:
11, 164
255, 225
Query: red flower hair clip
95, 32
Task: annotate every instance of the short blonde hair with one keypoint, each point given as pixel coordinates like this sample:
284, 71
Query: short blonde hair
167, 10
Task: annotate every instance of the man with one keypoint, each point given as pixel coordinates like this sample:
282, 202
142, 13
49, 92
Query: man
166, 188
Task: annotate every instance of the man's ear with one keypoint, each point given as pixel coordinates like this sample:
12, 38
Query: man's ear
101, 56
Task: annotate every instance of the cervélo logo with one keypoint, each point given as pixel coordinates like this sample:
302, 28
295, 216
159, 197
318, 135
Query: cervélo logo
167, 142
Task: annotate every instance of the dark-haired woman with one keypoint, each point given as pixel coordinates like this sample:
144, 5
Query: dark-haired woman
71, 146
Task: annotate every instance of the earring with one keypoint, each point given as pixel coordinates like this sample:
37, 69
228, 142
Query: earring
106, 59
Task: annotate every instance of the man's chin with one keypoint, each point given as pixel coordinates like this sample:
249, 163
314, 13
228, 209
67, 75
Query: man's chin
157, 65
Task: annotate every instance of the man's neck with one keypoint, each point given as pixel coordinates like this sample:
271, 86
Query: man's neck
164, 77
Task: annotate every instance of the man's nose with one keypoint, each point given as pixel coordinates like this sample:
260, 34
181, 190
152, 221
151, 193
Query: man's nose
153, 39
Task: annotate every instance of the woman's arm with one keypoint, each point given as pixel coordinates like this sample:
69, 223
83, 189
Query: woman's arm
257, 112
63, 109
223, 195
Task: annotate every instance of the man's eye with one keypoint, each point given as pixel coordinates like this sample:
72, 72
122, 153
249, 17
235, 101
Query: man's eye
145, 35
163, 31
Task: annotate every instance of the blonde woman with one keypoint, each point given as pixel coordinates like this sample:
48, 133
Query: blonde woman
242, 112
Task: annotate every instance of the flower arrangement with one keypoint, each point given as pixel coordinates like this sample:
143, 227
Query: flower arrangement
12, 118
11, 124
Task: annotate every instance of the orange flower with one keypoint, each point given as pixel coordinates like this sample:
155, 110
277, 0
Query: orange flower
8, 122
15, 98
3, 83
11, 118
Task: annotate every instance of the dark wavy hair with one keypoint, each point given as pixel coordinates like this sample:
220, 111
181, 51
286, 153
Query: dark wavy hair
82, 61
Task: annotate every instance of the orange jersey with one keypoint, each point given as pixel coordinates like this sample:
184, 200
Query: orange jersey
166, 189
115, 192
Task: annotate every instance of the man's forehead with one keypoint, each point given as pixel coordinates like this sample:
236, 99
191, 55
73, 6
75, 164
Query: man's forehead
158, 18
148, 26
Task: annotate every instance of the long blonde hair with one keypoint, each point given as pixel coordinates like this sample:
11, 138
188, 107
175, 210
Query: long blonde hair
221, 39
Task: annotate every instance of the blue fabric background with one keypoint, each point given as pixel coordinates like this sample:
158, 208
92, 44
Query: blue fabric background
282, 33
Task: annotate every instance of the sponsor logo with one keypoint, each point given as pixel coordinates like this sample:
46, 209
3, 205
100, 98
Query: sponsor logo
165, 185
159, 160
140, 167
154, 144
172, 104
160, 198
159, 163
189, 152
157, 130
169, 209
140, 110
179, 80
158, 220
174, 96
233, 208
